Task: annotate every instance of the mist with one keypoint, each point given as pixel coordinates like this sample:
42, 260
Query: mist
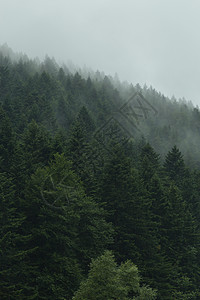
153, 42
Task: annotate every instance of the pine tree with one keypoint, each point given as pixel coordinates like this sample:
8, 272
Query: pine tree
4, 75
13, 253
77, 146
129, 209
80, 149
180, 240
174, 166
159, 270
86, 121
62, 113
66, 230
36, 147
7, 141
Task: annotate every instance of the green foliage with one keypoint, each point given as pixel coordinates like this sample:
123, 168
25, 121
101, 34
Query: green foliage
36, 146
106, 280
13, 252
66, 229
72, 186
7, 141
174, 165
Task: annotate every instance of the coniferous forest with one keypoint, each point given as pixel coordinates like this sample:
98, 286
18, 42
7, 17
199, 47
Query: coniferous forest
99, 186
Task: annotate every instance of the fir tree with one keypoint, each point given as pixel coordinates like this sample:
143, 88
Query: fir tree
13, 252
174, 166
66, 230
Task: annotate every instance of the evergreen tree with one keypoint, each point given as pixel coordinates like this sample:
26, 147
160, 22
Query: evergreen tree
174, 166
159, 270
80, 149
62, 113
36, 147
149, 164
4, 75
77, 146
86, 121
129, 210
7, 142
180, 240
66, 230
13, 253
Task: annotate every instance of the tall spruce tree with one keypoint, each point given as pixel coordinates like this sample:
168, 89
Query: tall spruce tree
174, 166
159, 269
129, 209
13, 250
7, 141
66, 230
80, 149
180, 241
36, 147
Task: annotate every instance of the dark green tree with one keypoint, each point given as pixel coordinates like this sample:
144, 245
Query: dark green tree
180, 241
13, 252
86, 121
159, 270
80, 149
129, 209
174, 166
66, 230
7, 141
36, 147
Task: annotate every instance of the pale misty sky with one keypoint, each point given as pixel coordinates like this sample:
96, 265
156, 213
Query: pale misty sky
156, 42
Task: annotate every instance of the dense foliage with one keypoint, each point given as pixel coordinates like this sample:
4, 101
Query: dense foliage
85, 169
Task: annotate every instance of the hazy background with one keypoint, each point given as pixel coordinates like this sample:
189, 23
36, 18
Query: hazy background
156, 42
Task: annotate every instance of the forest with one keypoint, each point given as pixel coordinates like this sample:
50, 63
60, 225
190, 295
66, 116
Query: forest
99, 186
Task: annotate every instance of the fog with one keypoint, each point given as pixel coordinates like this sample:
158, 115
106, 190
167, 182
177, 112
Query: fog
143, 41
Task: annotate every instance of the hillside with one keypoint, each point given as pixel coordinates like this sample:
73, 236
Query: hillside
90, 164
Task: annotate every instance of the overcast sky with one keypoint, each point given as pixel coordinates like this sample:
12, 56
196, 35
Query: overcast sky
156, 42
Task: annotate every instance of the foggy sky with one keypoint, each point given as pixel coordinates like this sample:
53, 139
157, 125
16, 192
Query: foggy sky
156, 42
